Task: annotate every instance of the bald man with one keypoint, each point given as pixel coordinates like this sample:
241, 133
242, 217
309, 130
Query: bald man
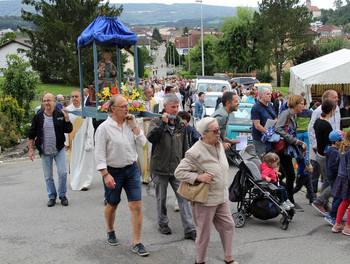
47, 130
116, 158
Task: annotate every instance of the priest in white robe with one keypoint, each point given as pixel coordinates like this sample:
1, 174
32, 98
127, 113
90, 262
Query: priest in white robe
81, 147
144, 153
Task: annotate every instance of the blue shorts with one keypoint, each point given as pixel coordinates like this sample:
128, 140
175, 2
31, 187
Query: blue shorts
127, 178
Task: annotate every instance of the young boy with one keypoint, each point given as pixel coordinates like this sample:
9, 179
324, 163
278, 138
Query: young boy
304, 176
332, 162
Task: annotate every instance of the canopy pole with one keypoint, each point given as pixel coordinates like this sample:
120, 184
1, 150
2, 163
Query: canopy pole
94, 48
81, 79
136, 68
119, 71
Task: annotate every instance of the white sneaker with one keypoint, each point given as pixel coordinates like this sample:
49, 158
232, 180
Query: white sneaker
176, 208
289, 203
285, 206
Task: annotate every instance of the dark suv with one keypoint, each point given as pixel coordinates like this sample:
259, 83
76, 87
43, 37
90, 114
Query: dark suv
245, 81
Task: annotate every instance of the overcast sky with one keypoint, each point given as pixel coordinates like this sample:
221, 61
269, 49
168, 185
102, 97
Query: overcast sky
326, 4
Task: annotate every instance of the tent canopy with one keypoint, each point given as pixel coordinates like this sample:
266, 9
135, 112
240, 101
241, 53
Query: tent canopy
333, 68
107, 31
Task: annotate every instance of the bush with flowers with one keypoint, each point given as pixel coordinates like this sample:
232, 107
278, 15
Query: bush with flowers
134, 97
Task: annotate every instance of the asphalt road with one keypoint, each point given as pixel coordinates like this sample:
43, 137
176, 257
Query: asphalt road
159, 61
30, 232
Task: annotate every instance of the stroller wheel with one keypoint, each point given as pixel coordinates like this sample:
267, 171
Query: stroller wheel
284, 223
291, 213
239, 219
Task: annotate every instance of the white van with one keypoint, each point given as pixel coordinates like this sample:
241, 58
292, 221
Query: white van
216, 83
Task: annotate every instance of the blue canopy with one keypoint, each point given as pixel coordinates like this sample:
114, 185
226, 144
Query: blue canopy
107, 31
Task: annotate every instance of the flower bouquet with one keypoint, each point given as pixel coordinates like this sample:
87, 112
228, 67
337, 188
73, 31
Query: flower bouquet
134, 97
104, 97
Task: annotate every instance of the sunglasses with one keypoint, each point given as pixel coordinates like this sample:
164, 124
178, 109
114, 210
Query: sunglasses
215, 131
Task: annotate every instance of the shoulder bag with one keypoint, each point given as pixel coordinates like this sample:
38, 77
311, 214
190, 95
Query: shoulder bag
280, 146
195, 193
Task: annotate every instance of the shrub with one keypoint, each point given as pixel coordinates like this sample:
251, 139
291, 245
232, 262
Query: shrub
285, 78
8, 132
183, 73
264, 77
9, 107
24, 130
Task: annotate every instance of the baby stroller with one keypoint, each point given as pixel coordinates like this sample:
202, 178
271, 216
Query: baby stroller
253, 195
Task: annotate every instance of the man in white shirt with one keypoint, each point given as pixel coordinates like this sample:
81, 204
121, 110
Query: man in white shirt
319, 165
115, 152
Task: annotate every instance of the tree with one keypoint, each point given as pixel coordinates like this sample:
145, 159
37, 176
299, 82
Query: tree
20, 82
332, 45
185, 33
337, 4
211, 60
169, 54
156, 35
284, 25
7, 37
238, 46
308, 53
54, 39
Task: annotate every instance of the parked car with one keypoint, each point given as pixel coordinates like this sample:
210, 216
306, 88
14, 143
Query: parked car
245, 81
240, 124
216, 83
210, 102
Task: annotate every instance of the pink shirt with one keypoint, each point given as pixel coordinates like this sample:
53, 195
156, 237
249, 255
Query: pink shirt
267, 171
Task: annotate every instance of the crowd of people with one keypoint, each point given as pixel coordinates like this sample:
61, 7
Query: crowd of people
168, 150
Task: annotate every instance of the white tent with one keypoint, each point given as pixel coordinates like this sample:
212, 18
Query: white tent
333, 68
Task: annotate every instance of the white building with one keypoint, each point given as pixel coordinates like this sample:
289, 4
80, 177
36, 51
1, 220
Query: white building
314, 10
17, 47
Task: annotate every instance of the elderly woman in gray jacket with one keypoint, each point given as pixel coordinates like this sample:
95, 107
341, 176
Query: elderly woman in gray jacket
295, 105
206, 162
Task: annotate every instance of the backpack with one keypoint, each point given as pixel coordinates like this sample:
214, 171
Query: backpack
235, 190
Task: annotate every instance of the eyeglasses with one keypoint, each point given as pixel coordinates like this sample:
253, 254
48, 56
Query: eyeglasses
75, 96
47, 101
121, 106
215, 131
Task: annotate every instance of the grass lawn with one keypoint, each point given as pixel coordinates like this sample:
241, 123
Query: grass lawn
283, 90
56, 89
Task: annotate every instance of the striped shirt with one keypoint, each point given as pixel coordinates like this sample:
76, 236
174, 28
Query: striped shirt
49, 137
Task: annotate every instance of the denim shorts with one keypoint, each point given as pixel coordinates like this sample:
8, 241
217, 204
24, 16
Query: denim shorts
127, 178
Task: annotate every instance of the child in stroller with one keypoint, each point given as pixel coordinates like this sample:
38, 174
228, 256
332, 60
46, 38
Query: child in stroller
269, 174
253, 195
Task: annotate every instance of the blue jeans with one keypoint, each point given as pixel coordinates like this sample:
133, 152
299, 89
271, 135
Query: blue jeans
283, 194
60, 160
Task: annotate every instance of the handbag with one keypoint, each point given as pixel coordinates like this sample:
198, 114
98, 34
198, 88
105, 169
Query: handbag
197, 192
280, 146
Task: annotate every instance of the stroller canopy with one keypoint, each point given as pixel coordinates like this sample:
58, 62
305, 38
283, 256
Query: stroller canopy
108, 32
249, 154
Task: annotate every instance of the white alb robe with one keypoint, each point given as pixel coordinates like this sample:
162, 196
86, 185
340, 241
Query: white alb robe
82, 163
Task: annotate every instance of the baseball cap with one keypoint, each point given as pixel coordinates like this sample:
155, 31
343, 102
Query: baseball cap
335, 136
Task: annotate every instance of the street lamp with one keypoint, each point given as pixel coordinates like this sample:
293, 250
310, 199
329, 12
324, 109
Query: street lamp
200, 1
174, 54
179, 51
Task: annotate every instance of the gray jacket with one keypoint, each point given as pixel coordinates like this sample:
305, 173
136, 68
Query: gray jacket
281, 126
168, 146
